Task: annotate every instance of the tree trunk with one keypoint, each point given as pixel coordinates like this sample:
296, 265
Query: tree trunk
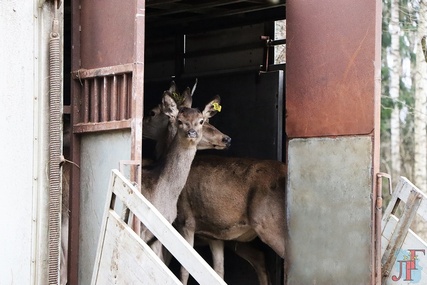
394, 60
420, 155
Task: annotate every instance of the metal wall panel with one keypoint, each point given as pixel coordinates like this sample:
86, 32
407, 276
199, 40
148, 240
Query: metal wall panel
107, 33
100, 153
332, 64
329, 210
227, 49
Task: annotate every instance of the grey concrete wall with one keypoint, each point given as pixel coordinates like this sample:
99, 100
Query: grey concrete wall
100, 152
329, 210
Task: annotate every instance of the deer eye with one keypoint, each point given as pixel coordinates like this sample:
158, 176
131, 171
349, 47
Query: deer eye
180, 122
152, 113
201, 122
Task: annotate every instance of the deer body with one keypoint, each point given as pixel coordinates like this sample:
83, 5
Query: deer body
250, 194
234, 199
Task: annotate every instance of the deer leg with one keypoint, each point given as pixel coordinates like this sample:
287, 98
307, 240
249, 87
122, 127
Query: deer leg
217, 249
157, 248
188, 235
275, 240
254, 256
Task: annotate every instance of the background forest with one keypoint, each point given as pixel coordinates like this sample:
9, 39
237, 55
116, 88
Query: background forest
403, 94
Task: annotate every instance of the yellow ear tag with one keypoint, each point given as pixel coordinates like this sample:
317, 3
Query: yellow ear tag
178, 98
217, 107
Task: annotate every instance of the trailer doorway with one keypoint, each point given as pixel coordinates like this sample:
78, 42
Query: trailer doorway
229, 49
227, 46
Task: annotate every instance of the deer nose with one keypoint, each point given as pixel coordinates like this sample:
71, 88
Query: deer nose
226, 140
192, 133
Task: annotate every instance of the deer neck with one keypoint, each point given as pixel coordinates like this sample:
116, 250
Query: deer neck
175, 169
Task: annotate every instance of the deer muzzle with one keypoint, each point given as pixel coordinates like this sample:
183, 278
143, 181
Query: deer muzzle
192, 134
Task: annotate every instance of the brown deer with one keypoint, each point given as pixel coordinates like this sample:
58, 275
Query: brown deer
163, 182
234, 199
155, 125
212, 182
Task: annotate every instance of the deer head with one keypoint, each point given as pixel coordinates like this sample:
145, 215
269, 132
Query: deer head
156, 122
185, 121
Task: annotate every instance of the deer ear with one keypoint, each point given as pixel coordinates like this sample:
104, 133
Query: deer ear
169, 107
172, 88
187, 99
212, 107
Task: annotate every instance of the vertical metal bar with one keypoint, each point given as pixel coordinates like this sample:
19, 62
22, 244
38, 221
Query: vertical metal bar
95, 102
129, 98
86, 94
113, 110
122, 97
104, 100
137, 94
76, 117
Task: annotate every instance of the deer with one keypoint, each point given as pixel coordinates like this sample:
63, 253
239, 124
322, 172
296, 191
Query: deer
155, 125
204, 188
162, 183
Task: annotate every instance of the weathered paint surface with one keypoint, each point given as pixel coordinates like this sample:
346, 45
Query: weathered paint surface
100, 153
329, 210
332, 68
107, 33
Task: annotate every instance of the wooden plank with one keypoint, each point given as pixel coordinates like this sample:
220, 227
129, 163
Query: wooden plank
407, 186
123, 258
393, 201
126, 259
400, 233
164, 231
412, 241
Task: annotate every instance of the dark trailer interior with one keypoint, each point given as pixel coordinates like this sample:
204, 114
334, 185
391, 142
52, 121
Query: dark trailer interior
229, 47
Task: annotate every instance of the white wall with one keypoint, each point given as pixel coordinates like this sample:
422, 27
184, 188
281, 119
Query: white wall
23, 31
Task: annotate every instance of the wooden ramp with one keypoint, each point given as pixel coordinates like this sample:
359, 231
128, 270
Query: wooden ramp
123, 258
404, 254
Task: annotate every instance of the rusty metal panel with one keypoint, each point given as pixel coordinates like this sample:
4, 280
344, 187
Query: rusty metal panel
332, 64
107, 33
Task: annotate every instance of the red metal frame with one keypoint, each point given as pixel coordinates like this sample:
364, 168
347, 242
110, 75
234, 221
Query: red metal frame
107, 86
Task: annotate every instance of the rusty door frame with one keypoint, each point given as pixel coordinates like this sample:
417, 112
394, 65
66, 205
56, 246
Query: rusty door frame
315, 67
129, 114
